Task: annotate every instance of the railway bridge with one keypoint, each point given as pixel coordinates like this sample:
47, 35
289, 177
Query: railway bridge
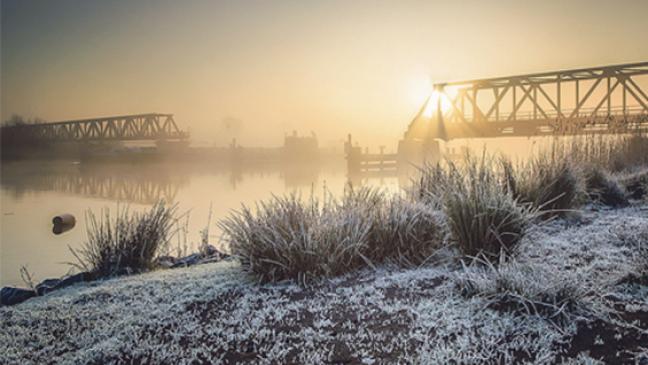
606, 99
138, 127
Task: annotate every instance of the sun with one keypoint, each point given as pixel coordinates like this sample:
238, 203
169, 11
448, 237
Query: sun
442, 99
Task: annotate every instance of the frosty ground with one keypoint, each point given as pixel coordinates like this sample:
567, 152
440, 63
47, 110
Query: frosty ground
443, 313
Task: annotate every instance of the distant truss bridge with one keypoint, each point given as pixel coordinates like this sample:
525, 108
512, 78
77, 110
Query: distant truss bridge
138, 127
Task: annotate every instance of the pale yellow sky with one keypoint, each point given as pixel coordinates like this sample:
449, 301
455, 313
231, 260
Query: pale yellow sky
332, 67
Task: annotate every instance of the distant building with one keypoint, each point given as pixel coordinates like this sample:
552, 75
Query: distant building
300, 148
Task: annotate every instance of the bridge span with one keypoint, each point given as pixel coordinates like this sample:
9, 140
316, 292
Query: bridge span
605, 99
137, 127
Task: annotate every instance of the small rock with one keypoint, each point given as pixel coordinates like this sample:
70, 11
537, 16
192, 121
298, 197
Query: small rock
165, 261
74, 279
207, 260
49, 285
13, 296
188, 260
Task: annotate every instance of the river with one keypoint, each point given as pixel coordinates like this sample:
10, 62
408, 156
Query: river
33, 192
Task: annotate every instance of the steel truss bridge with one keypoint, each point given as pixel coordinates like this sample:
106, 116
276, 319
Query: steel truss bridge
604, 99
137, 127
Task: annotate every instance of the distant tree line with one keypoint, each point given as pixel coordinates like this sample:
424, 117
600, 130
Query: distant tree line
16, 120
16, 140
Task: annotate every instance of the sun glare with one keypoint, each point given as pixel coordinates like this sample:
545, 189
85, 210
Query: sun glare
438, 99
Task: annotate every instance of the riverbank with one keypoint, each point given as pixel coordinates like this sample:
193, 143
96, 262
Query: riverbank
434, 314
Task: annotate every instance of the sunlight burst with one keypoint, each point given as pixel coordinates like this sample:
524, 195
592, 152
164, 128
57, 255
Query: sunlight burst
442, 99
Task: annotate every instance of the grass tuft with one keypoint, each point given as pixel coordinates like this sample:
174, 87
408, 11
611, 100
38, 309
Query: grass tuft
522, 288
636, 184
551, 183
615, 153
406, 233
289, 238
637, 242
603, 188
292, 238
483, 216
127, 243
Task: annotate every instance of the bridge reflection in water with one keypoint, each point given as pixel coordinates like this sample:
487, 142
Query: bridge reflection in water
142, 183
127, 183
139, 191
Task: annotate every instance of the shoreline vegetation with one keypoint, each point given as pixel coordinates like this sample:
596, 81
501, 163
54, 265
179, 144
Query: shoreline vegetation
530, 258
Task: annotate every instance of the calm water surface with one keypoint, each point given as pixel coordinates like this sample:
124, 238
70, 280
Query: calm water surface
32, 193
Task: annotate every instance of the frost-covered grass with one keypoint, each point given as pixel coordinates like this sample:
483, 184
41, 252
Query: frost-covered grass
487, 206
635, 183
525, 287
602, 187
619, 152
637, 238
292, 238
483, 215
305, 239
127, 242
215, 313
550, 182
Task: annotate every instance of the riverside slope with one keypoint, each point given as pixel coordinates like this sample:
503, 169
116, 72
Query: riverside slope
215, 313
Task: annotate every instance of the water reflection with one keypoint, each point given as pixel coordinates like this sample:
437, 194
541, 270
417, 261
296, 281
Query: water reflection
143, 183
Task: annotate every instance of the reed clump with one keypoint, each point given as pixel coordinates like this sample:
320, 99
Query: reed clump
483, 215
551, 183
126, 243
603, 188
614, 165
305, 239
614, 153
406, 233
635, 183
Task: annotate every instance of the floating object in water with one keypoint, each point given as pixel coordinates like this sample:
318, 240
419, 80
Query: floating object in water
63, 223
64, 219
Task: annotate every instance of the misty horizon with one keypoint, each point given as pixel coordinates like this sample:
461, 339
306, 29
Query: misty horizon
330, 68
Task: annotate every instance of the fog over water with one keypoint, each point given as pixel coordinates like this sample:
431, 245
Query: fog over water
33, 192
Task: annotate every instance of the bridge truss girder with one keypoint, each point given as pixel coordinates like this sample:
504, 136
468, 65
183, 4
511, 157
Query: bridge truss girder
600, 99
119, 128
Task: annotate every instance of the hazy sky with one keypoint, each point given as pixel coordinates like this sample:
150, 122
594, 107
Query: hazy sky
331, 67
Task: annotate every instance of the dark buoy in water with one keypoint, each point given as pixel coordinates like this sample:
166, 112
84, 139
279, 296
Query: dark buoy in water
63, 223
64, 219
